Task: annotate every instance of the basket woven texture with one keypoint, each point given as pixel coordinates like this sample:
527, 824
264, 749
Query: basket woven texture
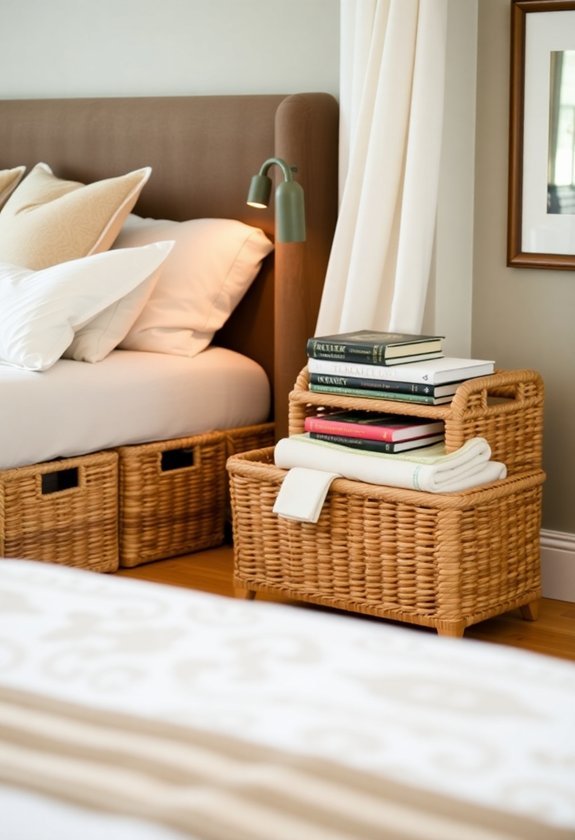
506, 408
439, 560
164, 510
74, 526
168, 512
249, 437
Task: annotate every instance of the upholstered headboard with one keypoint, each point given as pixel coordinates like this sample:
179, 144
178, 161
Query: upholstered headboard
203, 151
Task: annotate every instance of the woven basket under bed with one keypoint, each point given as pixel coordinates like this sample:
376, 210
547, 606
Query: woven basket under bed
173, 495
439, 560
62, 511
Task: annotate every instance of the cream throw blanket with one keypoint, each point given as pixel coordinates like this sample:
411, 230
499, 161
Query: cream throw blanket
431, 469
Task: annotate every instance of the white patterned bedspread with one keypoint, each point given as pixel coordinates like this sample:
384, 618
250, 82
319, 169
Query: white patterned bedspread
484, 723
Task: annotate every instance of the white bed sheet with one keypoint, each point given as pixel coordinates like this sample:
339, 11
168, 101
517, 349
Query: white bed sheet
130, 397
485, 723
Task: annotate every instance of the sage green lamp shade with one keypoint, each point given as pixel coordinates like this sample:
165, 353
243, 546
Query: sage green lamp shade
260, 191
289, 198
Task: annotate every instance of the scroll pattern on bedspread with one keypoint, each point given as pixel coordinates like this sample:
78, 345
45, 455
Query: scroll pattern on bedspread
221, 788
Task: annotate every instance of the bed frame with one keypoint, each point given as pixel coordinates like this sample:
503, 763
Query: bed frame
203, 151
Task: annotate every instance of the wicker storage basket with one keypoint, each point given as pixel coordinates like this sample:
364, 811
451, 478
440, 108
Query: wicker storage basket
245, 438
506, 408
172, 497
440, 560
62, 512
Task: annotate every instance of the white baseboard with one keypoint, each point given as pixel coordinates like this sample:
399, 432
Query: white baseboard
558, 565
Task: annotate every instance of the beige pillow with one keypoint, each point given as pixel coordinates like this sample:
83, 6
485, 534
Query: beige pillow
9, 179
203, 279
47, 221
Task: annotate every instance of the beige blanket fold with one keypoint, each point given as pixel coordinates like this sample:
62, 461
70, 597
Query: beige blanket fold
430, 469
215, 787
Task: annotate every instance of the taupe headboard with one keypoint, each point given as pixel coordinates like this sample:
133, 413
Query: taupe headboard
203, 151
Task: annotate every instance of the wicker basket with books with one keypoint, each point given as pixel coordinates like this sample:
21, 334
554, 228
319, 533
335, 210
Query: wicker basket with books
442, 560
505, 407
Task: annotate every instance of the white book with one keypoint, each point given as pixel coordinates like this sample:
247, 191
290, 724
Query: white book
432, 371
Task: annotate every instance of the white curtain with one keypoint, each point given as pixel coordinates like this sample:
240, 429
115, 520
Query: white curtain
391, 101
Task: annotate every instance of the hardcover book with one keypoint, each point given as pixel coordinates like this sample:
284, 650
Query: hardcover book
371, 394
375, 348
422, 388
373, 425
432, 371
377, 445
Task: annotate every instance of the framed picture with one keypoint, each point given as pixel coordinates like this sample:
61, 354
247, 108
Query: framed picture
541, 226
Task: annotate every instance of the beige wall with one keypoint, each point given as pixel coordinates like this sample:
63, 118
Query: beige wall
523, 318
448, 309
173, 47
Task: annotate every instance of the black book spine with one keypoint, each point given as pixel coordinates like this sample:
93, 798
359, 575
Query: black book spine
368, 353
355, 443
372, 384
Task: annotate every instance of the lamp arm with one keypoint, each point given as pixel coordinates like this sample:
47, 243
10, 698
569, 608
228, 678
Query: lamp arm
290, 210
287, 170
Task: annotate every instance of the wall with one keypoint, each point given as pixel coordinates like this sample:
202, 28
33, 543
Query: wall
523, 318
143, 47
448, 310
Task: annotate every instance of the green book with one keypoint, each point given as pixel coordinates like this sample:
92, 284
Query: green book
371, 394
376, 348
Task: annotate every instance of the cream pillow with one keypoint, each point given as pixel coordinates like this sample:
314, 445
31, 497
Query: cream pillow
42, 310
9, 179
210, 268
47, 220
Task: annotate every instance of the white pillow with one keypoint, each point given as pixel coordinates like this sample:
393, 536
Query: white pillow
204, 278
42, 310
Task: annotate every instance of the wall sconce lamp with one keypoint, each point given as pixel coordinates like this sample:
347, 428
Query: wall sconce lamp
290, 211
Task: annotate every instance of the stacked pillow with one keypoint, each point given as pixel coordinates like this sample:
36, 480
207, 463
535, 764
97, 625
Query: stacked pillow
9, 179
79, 308
209, 270
47, 220
166, 287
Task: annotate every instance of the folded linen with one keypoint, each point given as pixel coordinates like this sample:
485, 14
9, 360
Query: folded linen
431, 469
303, 493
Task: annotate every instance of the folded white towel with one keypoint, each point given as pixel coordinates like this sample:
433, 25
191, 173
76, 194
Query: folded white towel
303, 493
431, 469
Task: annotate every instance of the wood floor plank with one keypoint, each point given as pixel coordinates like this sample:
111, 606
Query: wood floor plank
211, 571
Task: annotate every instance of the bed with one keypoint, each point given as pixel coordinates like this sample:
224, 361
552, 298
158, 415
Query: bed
63, 428
131, 709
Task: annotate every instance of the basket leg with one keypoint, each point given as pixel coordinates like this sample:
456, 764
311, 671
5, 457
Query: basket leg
243, 592
451, 628
530, 612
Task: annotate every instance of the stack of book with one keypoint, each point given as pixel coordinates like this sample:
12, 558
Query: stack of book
375, 432
389, 366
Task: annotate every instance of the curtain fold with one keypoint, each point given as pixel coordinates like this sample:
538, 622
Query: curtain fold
392, 87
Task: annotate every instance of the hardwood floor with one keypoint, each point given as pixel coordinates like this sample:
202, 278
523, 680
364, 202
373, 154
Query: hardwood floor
211, 571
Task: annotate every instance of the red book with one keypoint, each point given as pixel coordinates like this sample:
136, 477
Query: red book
373, 425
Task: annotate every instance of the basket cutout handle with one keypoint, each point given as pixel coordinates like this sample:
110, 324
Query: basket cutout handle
177, 459
510, 390
60, 480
